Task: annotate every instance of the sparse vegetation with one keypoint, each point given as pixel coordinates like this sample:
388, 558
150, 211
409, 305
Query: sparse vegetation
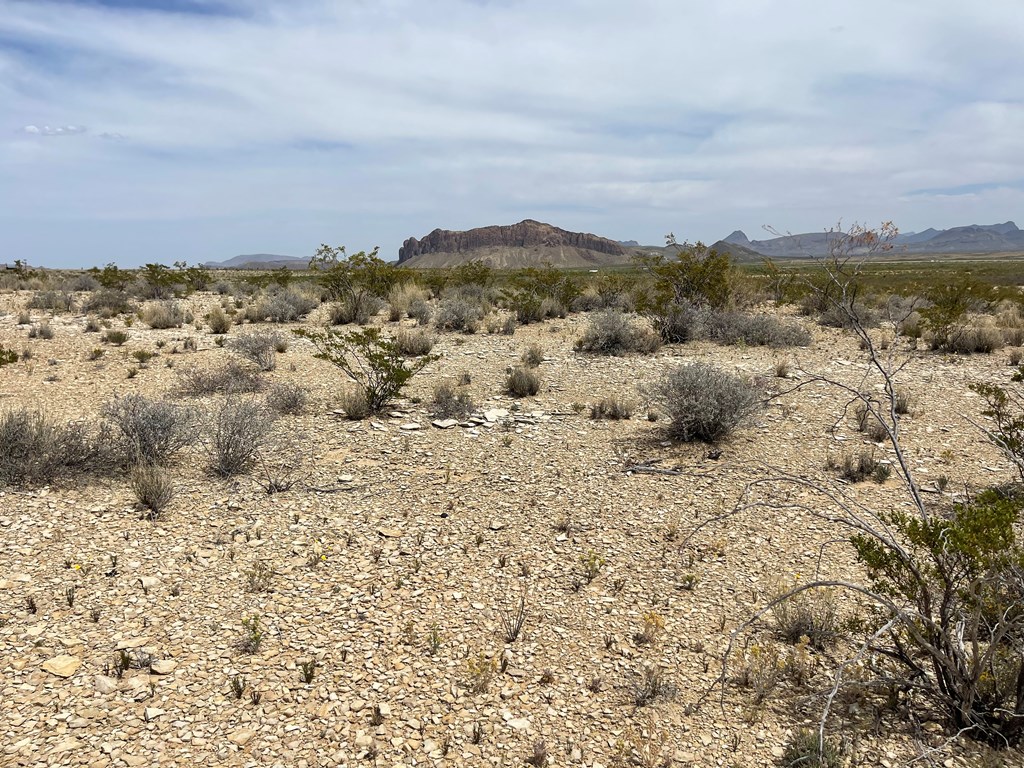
237, 431
703, 402
610, 332
522, 382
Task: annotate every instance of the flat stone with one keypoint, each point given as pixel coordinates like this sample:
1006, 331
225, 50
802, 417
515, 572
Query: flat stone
62, 666
519, 723
152, 713
163, 667
149, 582
241, 737
105, 684
133, 642
390, 533
445, 423
410, 426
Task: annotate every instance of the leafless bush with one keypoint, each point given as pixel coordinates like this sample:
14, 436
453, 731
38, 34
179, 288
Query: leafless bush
402, 298
451, 402
754, 330
55, 301
109, 302
420, 311
703, 402
163, 314
459, 314
610, 332
230, 378
35, 450
148, 431
238, 430
260, 348
282, 306
813, 614
533, 356
354, 403
290, 399
356, 308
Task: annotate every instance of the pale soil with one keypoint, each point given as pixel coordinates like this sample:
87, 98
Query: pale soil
442, 509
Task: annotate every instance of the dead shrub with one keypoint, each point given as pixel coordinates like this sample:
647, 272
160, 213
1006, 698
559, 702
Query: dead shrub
162, 314
414, 343
145, 431
451, 402
522, 382
287, 399
36, 451
229, 378
459, 314
611, 408
260, 348
238, 429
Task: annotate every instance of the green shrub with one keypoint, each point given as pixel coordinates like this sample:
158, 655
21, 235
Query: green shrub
7, 356
374, 362
117, 338
704, 403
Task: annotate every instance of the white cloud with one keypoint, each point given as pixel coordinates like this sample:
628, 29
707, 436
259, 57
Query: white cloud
627, 119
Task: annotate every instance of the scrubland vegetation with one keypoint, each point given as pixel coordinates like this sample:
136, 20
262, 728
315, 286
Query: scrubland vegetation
622, 517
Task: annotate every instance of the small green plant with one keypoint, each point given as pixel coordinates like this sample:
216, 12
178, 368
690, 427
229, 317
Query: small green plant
480, 672
117, 338
307, 670
808, 749
7, 356
259, 576
374, 362
253, 633
433, 640
653, 626
143, 356
592, 563
237, 685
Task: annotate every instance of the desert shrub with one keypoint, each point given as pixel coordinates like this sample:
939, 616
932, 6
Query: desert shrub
611, 408
533, 356
7, 356
374, 362
866, 414
117, 338
164, 314
703, 402
806, 749
109, 302
522, 382
459, 314
152, 488
260, 348
155, 281
55, 301
971, 340
401, 299
451, 402
41, 331
754, 330
612, 333
812, 614
238, 429
833, 316
223, 288
230, 378
414, 343
92, 325
356, 309
858, 468
553, 308
81, 283
145, 431
219, 322
945, 317
420, 311
290, 399
284, 305
355, 405
36, 450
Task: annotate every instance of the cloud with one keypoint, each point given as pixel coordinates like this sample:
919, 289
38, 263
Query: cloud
46, 130
285, 124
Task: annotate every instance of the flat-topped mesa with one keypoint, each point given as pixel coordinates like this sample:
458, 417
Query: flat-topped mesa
525, 234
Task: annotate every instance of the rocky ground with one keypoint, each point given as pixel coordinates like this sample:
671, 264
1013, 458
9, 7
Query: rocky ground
400, 545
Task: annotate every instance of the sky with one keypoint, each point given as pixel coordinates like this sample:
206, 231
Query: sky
164, 130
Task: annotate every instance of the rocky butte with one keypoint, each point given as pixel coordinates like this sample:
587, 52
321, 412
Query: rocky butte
528, 243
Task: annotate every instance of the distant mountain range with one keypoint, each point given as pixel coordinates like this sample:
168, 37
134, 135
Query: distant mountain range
975, 238
260, 261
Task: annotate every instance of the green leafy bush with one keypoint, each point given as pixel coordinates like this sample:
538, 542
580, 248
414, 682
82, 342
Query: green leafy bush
374, 362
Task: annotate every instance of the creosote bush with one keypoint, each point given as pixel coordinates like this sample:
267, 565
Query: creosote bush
610, 332
703, 402
372, 361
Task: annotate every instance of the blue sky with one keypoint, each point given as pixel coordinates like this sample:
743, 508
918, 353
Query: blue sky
142, 130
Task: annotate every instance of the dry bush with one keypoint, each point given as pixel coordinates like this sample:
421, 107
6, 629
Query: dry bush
238, 429
450, 402
459, 314
145, 431
703, 402
109, 302
219, 322
402, 298
55, 301
35, 450
230, 378
856, 469
754, 330
162, 314
260, 348
533, 356
813, 614
610, 332
414, 343
287, 399
420, 311
355, 309
284, 305
152, 488
522, 382
355, 404
611, 408
975, 339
